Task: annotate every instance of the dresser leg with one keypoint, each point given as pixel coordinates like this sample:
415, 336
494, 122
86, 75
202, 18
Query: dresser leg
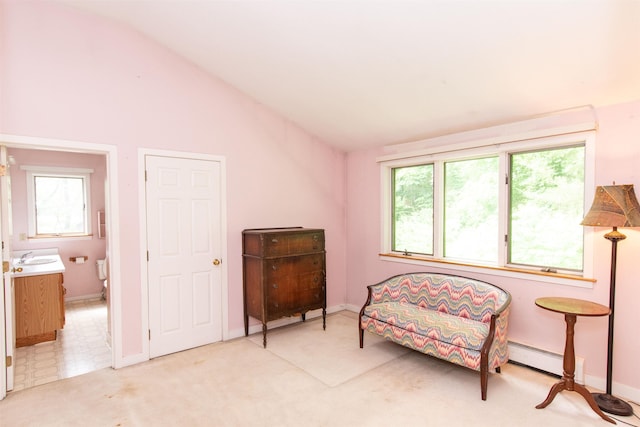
324, 318
304, 316
264, 335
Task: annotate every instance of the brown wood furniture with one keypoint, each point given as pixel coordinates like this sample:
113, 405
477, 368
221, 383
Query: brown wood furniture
39, 305
284, 274
571, 308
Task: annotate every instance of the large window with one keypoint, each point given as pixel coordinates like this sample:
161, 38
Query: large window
515, 205
58, 202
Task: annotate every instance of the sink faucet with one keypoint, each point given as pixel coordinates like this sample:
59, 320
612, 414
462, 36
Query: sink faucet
25, 256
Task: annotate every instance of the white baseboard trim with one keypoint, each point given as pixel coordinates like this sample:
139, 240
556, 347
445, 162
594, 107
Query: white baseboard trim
133, 359
552, 362
621, 391
83, 297
543, 360
353, 308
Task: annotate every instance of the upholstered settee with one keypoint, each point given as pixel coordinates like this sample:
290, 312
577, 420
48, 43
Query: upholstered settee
461, 320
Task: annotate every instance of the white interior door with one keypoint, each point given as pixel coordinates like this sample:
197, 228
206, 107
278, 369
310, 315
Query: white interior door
7, 337
183, 201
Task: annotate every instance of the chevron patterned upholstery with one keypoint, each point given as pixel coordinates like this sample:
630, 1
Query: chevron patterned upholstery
461, 320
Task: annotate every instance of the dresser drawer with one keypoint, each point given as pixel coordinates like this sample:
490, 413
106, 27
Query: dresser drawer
284, 242
279, 267
295, 293
296, 243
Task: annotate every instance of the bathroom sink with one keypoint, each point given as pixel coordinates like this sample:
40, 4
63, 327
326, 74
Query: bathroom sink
37, 261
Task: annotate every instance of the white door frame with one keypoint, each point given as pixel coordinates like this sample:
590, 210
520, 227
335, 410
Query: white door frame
144, 279
113, 228
7, 338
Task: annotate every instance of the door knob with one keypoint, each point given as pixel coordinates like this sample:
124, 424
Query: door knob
216, 262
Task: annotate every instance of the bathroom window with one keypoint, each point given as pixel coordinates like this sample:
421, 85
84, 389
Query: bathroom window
58, 202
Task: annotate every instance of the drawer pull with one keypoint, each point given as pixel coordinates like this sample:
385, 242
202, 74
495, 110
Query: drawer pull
275, 267
274, 240
275, 286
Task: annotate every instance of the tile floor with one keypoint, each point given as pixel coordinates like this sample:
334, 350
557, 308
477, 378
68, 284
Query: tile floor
81, 347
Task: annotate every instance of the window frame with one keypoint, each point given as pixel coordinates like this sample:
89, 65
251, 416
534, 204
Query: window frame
44, 171
394, 208
441, 154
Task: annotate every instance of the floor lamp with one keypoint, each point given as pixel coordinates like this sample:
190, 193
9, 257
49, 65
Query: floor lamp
613, 206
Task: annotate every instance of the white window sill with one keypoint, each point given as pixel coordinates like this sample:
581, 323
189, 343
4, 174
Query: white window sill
60, 238
515, 273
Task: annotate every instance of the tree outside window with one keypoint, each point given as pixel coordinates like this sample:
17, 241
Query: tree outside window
539, 223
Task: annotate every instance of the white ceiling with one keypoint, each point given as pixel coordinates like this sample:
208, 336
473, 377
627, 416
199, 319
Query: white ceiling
363, 73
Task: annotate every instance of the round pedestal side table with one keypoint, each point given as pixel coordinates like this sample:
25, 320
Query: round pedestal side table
572, 308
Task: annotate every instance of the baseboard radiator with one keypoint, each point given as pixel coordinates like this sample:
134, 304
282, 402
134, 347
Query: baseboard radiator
543, 360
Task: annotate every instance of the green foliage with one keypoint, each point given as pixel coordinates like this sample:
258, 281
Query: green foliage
545, 208
547, 193
471, 209
413, 209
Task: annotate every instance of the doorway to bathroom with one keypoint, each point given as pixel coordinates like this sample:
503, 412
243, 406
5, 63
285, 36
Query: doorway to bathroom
85, 343
82, 346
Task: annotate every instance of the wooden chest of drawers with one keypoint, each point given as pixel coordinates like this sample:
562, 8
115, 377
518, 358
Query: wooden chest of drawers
284, 274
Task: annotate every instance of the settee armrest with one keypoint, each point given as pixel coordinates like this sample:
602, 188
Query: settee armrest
505, 305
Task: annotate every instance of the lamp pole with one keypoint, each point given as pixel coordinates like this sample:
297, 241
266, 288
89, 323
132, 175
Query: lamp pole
606, 401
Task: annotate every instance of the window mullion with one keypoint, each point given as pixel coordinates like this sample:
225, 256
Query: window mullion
438, 209
503, 208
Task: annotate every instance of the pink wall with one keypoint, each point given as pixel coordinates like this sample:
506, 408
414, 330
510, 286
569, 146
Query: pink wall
617, 159
73, 76
80, 280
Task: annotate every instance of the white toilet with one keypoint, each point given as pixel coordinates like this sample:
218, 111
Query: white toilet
101, 269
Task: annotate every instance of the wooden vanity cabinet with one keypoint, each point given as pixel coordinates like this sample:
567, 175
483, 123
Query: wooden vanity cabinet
39, 308
284, 274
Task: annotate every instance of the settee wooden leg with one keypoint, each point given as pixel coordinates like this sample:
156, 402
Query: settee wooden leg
361, 334
498, 369
484, 377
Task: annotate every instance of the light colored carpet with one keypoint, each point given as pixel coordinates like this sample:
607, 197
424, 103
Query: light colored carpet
333, 356
238, 383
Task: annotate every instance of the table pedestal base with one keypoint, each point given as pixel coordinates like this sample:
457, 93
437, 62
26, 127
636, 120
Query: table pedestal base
570, 385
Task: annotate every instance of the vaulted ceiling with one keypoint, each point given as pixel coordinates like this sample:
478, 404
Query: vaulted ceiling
363, 73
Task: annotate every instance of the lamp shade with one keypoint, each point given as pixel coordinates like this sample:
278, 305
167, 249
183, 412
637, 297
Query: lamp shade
614, 206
